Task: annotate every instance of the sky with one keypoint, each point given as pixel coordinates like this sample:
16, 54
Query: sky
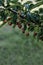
27, 0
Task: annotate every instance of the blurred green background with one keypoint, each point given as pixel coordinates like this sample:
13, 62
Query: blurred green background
17, 49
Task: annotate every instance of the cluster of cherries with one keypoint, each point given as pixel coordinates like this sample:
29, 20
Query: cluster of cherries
34, 18
19, 24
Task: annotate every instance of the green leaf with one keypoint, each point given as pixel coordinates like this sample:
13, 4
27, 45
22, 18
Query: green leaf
36, 5
14, 18
31, 28
14, 1
41, 10
3, 16
1, 2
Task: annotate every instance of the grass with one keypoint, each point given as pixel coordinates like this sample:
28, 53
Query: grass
17, 49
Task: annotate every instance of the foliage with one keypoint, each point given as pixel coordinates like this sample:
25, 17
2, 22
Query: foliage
20, 15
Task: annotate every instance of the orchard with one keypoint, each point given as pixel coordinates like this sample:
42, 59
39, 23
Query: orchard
16, 14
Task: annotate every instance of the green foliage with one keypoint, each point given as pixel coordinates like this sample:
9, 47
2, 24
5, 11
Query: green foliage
20, 16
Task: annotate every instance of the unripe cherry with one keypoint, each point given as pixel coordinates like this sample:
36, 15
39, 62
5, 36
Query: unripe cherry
17, 23
10, 23
23, 31
9, 18
5, 21
28, 24
35, 33
20, 26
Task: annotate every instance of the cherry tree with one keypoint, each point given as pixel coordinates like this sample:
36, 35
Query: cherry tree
17, 14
